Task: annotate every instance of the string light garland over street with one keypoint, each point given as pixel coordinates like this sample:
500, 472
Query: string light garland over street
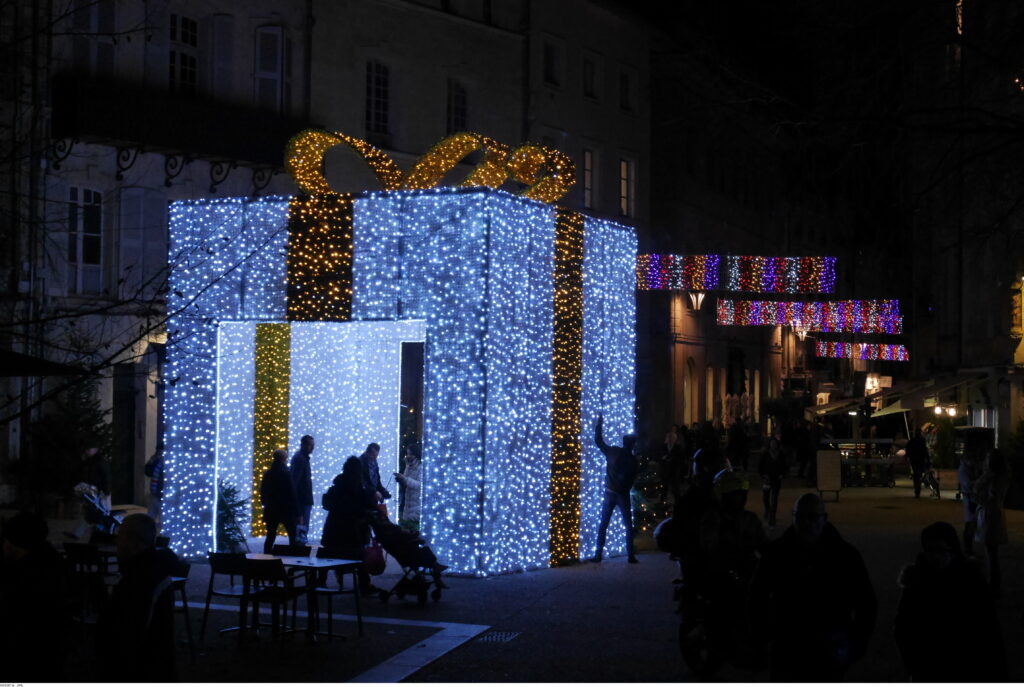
857, 317
750, 273
861, 351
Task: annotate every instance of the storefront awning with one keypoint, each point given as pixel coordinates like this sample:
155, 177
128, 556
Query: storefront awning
926, 396
841, 406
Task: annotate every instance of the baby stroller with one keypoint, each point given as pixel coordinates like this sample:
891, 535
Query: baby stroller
931, 480
420, 569
105, 521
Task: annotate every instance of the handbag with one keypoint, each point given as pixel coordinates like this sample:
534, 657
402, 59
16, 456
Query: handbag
373, 558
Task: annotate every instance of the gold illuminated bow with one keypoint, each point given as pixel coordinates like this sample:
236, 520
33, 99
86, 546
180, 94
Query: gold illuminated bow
547, 173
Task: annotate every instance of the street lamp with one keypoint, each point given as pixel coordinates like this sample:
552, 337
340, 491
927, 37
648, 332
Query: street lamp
696, 299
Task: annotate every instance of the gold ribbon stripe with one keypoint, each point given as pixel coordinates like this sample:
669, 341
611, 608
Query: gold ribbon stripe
270, 419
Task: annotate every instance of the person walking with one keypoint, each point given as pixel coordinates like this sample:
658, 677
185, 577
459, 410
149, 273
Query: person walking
958, 642
990, 494
738, 447
280, 506
154, 469
812, 599
620, 472
917, 456
302, 480
771, 467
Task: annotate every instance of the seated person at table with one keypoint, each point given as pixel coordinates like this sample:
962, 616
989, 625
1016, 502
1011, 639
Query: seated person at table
34, 603
348, 503
136, 631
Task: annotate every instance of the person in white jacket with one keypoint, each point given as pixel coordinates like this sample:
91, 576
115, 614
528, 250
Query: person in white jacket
411, 480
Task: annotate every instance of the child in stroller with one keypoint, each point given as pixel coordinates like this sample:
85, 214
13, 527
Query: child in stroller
415, 557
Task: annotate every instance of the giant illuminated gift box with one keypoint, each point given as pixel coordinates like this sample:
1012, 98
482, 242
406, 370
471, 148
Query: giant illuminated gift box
527, 312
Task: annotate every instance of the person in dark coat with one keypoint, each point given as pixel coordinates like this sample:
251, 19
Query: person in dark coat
917, 456
619, 475
35, 603
771, 467
135, 636
812, 599
349, 503
947, 642
280, 505
303, 481
371, 473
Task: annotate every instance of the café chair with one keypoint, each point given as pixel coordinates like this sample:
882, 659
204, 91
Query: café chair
89, 578
299, 551
323, 589
232, 565
269, 581
179, 581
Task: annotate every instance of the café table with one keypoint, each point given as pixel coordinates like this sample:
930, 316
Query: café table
312, 566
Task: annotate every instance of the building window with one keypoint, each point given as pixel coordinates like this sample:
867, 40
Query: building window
625, 91
93, 30
552, 64
183, 61
627, 188
273, 68
85, 241
588, 178
457, 119
593, 74
376, 98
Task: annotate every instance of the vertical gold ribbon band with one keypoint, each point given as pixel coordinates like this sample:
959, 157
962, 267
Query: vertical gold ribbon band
320, 257
270, 418
567, 387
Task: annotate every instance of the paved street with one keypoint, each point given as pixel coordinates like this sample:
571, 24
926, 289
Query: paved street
588, 623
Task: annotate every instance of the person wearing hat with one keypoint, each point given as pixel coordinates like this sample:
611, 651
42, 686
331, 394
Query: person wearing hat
731, 537
619, 475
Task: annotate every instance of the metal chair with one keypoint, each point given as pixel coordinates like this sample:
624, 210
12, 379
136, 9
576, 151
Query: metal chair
329, 592
232, 565
89, 577
268, 581
179, 581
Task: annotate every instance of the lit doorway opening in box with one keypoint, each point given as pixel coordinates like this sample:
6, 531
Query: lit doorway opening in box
340, 382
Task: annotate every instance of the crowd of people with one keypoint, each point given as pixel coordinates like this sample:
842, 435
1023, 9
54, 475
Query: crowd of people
356, 505
805, 600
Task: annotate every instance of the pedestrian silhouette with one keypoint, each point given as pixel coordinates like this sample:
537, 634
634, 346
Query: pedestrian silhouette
619, 475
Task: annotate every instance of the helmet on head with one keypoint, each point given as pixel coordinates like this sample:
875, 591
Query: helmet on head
727, 481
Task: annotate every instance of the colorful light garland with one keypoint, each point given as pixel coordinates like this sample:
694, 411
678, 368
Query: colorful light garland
753, 273
858, 317
478, 268
861, 351
677, 272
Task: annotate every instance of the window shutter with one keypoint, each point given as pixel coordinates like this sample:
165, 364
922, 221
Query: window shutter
130, 261
222, 46
55, 271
